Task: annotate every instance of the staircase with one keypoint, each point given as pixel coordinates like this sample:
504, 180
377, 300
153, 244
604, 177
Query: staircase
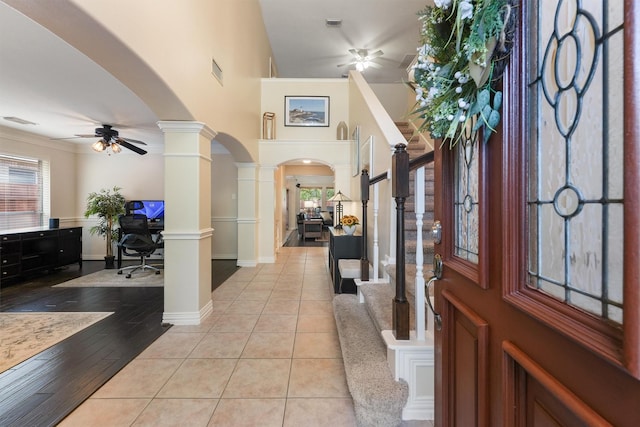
386, 377
416, 148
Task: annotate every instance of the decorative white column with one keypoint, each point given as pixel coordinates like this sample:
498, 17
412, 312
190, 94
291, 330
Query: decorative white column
187, 233
247, 215
267, 204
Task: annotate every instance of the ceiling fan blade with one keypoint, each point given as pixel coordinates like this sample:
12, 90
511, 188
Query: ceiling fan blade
131, 147
376, 54
353, 52
69, 137
135, 141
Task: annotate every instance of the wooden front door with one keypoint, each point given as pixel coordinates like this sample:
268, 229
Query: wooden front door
540, 289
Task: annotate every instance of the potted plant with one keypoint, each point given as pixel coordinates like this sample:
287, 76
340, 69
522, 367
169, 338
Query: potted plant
107, 204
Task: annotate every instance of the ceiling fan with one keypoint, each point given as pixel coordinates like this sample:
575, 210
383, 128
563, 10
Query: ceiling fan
110, 139
362, 59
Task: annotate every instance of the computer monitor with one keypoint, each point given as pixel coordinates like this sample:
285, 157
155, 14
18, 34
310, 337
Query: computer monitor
153, 209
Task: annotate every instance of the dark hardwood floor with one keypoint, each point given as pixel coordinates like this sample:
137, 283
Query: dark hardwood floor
296, 240
51, 384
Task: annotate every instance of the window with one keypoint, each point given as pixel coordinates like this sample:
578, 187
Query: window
310, 199
24, 192
575, 201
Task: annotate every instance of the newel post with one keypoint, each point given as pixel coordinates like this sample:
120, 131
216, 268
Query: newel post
400, 192
364, 194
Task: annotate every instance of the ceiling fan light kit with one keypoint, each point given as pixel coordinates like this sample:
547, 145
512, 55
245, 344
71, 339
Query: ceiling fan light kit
362, 59
102, 145
110, 141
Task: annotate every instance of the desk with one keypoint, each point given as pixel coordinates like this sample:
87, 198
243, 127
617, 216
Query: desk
154, 228
312, 228
342, 246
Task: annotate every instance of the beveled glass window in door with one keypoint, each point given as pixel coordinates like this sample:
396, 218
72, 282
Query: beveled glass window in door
466, 206
575, 191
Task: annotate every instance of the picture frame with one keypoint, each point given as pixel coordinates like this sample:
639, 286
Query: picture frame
355, 151
366, 155
309, 111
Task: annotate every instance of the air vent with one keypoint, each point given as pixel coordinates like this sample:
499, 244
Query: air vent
333, 23
19, 120
216, 70
406, 61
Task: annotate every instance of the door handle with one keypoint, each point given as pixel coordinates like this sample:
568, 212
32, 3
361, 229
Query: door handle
437, 274
436, 316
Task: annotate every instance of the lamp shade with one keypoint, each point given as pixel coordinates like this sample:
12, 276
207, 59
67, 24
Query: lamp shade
339, 197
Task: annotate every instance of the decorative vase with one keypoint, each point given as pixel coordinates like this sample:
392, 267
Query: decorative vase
342, 131
349, 229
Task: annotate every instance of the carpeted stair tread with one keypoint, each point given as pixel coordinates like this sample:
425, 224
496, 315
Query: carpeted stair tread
378, 399
378, 298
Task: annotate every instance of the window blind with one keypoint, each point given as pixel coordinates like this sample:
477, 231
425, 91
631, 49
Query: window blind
24, 201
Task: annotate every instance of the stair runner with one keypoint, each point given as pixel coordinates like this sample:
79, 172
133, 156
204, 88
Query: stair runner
378, 399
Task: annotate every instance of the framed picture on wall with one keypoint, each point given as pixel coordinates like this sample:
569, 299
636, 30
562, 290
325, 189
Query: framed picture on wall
306, 111
366, 155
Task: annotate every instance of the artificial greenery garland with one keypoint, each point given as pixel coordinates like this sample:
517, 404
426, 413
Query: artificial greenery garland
465, 44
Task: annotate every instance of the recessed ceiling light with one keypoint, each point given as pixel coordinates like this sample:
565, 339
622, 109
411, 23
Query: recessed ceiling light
306, 161
19, 120
333, 23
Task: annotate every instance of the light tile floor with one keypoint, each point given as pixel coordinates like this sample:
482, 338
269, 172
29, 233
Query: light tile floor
269, 355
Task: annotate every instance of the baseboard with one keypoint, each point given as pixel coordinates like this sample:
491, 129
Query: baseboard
224, 256
246, 263
188, 317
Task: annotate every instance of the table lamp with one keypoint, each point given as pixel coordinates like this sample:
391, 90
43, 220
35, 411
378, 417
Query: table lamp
339, 197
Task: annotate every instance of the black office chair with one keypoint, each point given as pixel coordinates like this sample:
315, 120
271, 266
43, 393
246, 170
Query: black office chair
137, 241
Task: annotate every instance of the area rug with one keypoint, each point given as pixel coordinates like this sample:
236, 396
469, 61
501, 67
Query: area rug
110, 278
23, 335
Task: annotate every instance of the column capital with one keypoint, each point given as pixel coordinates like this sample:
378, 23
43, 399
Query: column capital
179, 126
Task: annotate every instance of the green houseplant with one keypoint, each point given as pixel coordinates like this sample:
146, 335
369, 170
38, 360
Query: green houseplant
107, 205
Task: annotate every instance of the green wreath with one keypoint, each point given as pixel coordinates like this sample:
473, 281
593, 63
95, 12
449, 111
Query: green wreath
465, 45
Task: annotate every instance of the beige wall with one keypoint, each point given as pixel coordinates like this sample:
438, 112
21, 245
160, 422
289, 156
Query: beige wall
62, 162
394, 98
162, 51
274, 91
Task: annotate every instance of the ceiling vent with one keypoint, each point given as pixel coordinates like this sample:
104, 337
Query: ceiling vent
333, 23
216, 70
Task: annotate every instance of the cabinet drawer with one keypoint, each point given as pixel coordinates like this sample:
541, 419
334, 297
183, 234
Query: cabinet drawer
39, 234
9, 271
70, 231
10, 247
9, 259
9, 238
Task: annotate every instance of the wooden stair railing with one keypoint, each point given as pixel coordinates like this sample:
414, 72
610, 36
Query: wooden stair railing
401, 166
400, 192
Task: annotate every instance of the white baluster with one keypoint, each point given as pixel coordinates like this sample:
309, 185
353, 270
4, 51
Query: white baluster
376, 249
419, 290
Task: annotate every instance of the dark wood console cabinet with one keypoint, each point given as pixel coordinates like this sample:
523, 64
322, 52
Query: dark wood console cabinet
342, 246
33, 250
